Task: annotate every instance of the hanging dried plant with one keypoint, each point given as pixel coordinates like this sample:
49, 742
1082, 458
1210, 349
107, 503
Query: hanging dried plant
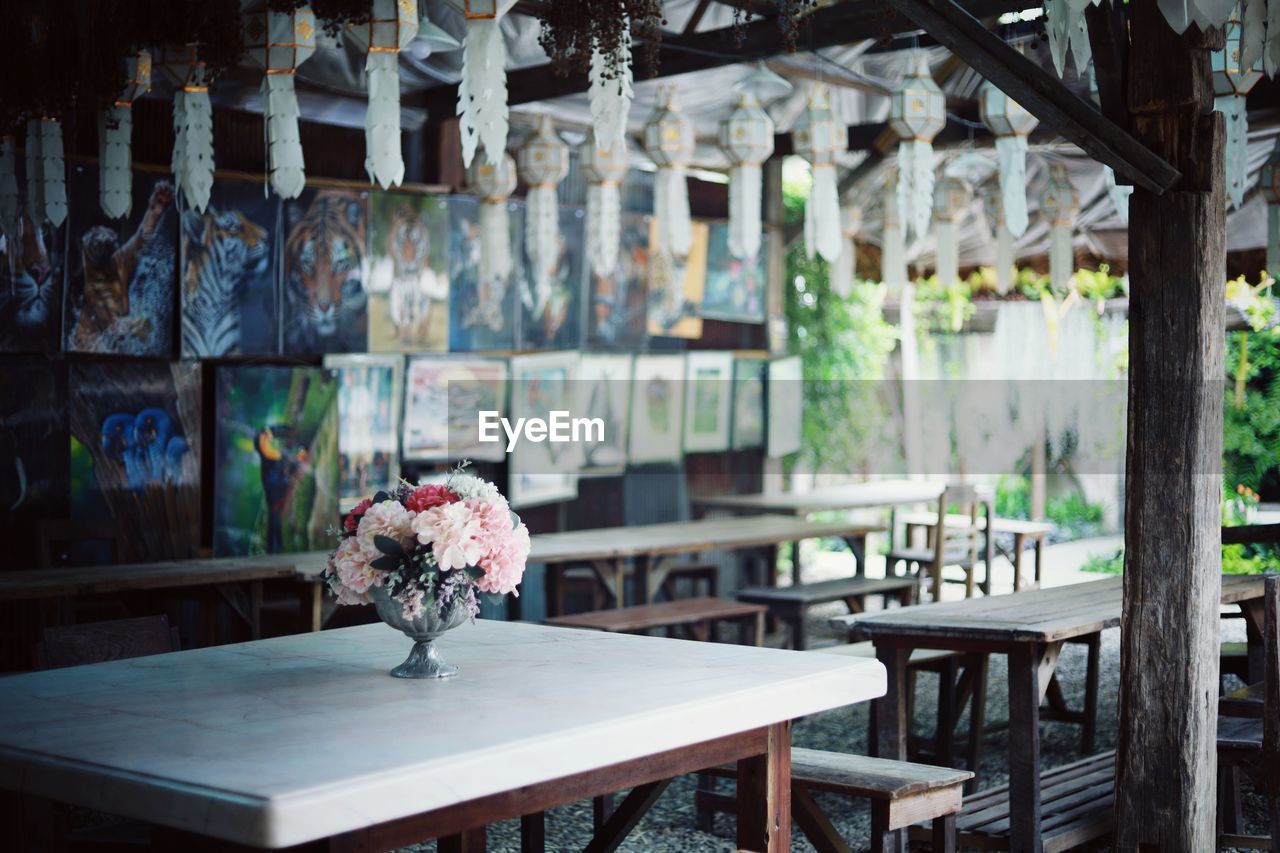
789, 16
573, 29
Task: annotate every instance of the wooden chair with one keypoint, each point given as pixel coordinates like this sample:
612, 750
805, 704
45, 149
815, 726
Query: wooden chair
949, 546
96, 642
1252, 743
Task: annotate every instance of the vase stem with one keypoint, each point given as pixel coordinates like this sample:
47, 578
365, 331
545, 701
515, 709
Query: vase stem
424, 662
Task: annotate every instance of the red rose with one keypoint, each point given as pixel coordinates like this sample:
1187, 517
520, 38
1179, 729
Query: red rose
425, 497
353, 518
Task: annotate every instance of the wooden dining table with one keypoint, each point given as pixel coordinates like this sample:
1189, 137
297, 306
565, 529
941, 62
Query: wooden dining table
1029, 627
306, 738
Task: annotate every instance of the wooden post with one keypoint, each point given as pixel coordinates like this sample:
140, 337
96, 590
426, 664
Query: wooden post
1167, 759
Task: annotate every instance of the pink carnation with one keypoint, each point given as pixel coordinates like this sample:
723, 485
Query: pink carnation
388, 518
504, 565
356, 576
352, 520
454, 533
425, 497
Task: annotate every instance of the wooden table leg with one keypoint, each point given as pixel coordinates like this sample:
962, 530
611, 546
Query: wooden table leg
1018, 542
891, 708
312, 604
988, 546
764, 795
1025, 661
1039, 546
533, 832
470, 841
858, 547
255, 610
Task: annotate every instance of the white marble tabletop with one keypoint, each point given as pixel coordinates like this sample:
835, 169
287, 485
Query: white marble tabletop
283, 741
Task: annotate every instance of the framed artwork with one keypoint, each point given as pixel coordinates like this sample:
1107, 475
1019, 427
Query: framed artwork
31, 276
708, 391
543, 471
34, 483
324, 267
482, 313
735, 287
676, 286
785, 390
748, 403
444, 396
550, 317
603, 390
228, 286
370, 393
135, 455
275, 487
616, 315
657, 409
121, 272
408, 272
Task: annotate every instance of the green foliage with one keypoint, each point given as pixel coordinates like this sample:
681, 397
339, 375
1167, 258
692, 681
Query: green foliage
1013, 496
1236, 560
942, 307
1075, 517
1251, 423
1105, 564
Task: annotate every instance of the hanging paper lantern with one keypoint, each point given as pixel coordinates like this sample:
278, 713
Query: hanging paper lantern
280, 42
543, 161
764, 84
392, 25
115, 132
482, 92
1232, 82
1060, 203
669, 142
605, 170
1010, 124
1269, 184
192, 127
951, 196
610, 93
993, 206
842, 273
893, 250
820, 138
493, 184
917, 111
9, 201
46, 172
746, 138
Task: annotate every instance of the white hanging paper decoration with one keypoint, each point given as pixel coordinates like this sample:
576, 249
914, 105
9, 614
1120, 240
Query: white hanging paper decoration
950, 198
392, 26
842, 274
493, 185
1269, 186
605, 170
1010, 123
893, 250
542, 161
1118, 193
917, 111
482, 93
1060, 203
1205, 13
820, 138
746, 138
669, 142
993, 206
9, 201
115, 131
1232, 82
193, 131
46, 172
280, 42
1067, 30
610, 96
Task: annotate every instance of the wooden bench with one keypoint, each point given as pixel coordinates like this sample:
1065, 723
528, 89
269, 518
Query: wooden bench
791, 603
698, 615
901, 794
1023, 531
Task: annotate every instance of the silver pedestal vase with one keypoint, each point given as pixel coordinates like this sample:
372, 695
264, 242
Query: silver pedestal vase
424, 660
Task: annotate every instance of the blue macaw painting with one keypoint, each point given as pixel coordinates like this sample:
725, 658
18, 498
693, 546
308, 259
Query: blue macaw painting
135, 455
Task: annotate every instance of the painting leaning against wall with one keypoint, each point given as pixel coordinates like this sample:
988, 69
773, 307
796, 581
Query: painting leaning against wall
31, 262
408, 272
33, 456
482, 310
369, 399
324, 302
276, 464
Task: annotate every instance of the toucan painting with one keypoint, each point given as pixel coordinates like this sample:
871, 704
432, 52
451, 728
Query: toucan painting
284, 460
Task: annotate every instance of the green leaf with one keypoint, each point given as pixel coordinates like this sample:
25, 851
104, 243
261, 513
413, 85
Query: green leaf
380, 497
474, 572
386, 563
387, 545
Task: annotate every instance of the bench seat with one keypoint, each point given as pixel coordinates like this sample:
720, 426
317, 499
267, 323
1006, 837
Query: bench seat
698, 613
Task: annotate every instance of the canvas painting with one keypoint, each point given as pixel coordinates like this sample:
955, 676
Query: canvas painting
275, 487
324, 269
121, 273
545, 471
135, 455
748, 403
657, 409
676, 287
616, 315
369, 398
408, 272
735, 287
785, 406
482, 313
229, 257
443, 398
708, 397
603, 390
550, 314
31, 268
34, 483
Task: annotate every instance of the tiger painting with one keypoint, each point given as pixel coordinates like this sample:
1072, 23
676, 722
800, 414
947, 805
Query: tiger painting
223, 251
324, 270
408, 282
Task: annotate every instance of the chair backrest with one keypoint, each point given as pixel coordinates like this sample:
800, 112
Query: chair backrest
96, 642
966, 497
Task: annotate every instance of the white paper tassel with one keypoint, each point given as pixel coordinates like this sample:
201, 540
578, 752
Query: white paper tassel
604, 226
671, 209
284, 144
822, 215
1271, 52
1232, 108
495, 241
745, 188
610, 98
1253, 31
8, 193
1011, 151
115, 176
842, 272
382, 119
1061, 257
1118, 193
1066, 29
46, 172
193, 145
948, 255
542, 240
915, 185
893, 251
1273, 239
1004, 259
482, 94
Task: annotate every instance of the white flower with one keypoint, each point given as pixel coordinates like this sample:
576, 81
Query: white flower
388, 518
468, 486
454, 533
